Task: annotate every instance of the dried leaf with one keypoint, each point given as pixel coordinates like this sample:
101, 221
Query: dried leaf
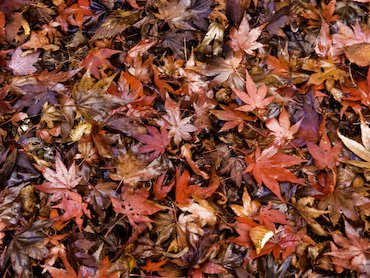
22, 64
260, 235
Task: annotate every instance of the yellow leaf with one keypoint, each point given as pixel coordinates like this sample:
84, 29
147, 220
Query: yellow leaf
260, 235
249, 207
355, 147
81, 129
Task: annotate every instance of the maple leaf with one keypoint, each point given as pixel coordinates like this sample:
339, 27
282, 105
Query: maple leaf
59, 181
40, 40
282, 130
152, 266
96, 60
243, 226
344, 199
290, 239
175, 41
244, 38
268, 168
233, 118
306, 208
154, 142
179, 129
22, 64
73, 207
360, 93
325, 71
324, 40
268, 216
249, 208
138, 50
324, 155
74, 14
39, 88
129, 88
134, 204
184, 191
68, 272
159, 189
350, 251
92, 100
347, 39
202, 210
286, 67
235, 166
254, 98
223, 70
215, 33
162, 85
177, 12
115, 23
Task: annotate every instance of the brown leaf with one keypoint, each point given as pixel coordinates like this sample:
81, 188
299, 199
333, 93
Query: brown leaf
358, 54
352, 252
115, 23
92, 99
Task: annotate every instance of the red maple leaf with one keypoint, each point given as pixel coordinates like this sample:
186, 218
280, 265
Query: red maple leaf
152, 266
184, 191
325, 156
285, 242
155, 143
268, 217
74, 208
68, 272
269, 167
162, 85
134, 204
74, 14
254, 98
97, 59
161, 190
231, 117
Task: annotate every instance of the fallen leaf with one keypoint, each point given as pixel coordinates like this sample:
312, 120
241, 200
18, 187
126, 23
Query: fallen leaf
254, 97
260, 235
23, 64
245, 38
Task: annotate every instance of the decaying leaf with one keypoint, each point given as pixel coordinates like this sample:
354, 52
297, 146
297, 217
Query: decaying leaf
92, 99
115, 24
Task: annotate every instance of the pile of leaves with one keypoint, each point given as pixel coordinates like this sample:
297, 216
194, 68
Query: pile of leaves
184, 138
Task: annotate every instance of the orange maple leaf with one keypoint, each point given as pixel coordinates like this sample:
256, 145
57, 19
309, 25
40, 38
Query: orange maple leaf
269, 167
254, 98
97, 58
